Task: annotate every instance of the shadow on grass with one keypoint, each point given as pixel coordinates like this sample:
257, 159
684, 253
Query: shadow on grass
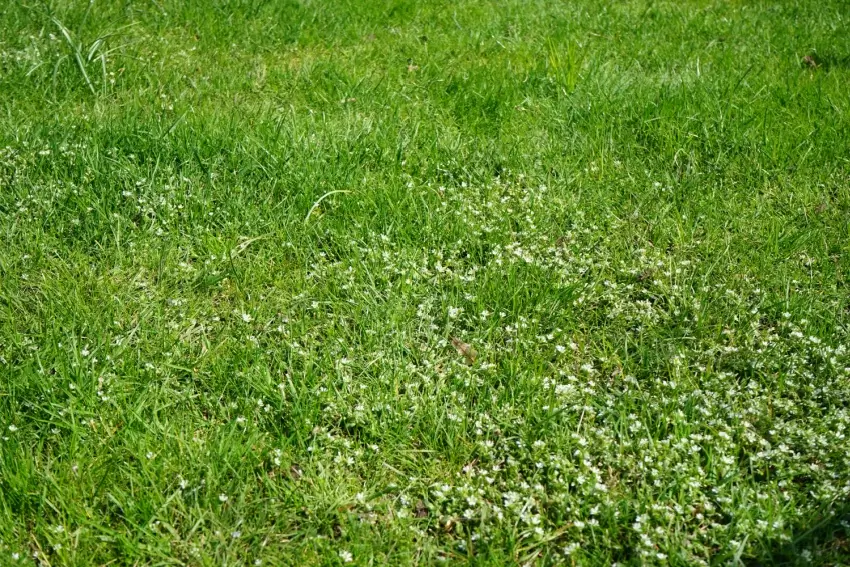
825, 61
825, 541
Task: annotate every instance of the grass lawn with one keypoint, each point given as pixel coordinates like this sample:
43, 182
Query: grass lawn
393, 282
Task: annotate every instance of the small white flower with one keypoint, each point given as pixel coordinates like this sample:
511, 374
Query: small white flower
16, 556
346, 556
247, 318
13, 428
222, 497
150, 455
235, 534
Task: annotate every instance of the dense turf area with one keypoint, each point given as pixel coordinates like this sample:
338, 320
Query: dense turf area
401, 282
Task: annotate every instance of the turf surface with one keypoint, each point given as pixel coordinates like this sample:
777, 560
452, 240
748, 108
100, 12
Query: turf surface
395, 282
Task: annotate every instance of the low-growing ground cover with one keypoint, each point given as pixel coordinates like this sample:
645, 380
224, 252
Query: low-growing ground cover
397, 282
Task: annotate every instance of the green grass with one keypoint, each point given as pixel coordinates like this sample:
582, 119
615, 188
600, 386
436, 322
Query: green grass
238, 238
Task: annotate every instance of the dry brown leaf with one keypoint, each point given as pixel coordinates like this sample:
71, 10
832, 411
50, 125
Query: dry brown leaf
421, 509
465, 350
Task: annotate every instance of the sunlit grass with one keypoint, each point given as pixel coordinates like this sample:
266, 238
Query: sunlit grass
416, 282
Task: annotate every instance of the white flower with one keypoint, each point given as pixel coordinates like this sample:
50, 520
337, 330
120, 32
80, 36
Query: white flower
13, 428
346, 556
222, 497
247, 318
